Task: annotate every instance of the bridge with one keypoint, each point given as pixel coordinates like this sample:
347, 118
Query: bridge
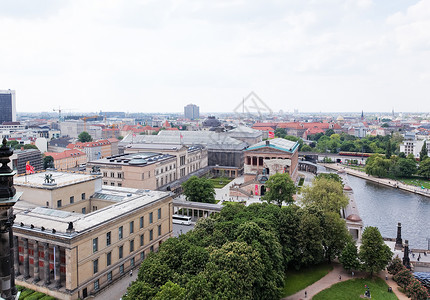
195, 210
317, 157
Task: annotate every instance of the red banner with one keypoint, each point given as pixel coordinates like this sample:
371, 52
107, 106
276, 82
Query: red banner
271, 135
256, 190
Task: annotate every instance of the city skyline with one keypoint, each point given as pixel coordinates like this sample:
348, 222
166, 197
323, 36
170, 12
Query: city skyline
330, 56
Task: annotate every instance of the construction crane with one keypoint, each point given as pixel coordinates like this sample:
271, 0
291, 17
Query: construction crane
59, 113
87, 118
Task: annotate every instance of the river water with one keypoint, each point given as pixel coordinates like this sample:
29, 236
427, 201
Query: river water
384, 207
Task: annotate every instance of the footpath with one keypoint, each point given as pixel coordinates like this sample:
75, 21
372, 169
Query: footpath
383, 181
333, 278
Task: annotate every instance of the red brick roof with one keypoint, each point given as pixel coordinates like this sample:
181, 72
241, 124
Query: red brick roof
264, 128
65, 154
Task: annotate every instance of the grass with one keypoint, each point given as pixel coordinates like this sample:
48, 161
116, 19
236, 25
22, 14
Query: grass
353, 288
220, 182
298, 280
416, 181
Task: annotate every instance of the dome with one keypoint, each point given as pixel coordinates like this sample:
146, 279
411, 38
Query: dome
347, 188
340, 118
354, 218
211, 121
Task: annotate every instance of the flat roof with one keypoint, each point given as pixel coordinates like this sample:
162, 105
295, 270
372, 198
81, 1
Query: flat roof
38, 217
131, 159
278, 143
61, 179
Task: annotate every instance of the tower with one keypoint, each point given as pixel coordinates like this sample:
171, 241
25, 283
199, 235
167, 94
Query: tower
8, 106
362, 115
8, 198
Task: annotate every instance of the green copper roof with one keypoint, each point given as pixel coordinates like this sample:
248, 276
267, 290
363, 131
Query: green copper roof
278, 143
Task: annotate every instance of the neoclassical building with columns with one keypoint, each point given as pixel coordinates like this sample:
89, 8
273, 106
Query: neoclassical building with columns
76, 236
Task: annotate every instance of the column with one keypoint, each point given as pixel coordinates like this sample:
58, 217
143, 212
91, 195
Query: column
26, 260
57, 266
14, 291
16, 256
36, 261
46, 263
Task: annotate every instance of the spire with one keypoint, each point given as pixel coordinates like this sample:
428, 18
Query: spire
362, 115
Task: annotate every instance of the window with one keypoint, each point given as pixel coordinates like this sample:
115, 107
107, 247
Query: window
96, 285
182, 161
72, 199
120, 251
104, 182
150, 218
119, 184
159, 230
159, 213
108, 258
131, 227
141, 240
112, 183
95, 245
112, 174
142, 255
119, 175
131, 246
58, 203
104, 174
141, 222
84, 210
151, 235
121, 269
132, 262
83, 196
151, 248
120, 233
47, 203
108, 238
182, 172
96, 266
109, 276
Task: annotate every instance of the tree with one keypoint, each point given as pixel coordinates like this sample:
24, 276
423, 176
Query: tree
404, 167
423, 152
199, 190
325, 194
310, 237
377, 166
306, 148
424, 168
374, 254
349, 257
395, 266
329, 132
170, 291
330, 176
139, 290
280, 188
388, 150
48, 162
84, 137
335, 235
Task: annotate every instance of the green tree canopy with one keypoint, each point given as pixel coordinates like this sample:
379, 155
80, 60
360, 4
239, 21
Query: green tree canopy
423, 152
374, 254
280, 188
377, 166
199, 190
48, 162
330, 176
424, 168
349, 257
84, 137
404, 167
335, 235
325, 194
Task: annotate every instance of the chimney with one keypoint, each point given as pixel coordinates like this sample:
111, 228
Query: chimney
267, 143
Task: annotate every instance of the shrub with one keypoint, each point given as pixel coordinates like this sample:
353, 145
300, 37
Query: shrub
47, 297
395, 266
20, 288
35, 296
403, 277
416, 291
25, 294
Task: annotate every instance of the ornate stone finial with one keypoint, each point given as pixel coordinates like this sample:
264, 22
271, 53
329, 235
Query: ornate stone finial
4, 143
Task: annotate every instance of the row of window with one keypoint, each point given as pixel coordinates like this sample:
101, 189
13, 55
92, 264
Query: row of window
165, 169
121, 269
112, 183
131, 230
164, 180
71, 200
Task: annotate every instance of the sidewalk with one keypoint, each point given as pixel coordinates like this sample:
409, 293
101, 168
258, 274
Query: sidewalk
333, 278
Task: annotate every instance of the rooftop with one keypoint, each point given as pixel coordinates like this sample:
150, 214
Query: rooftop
61, 179
140, 158
278, 143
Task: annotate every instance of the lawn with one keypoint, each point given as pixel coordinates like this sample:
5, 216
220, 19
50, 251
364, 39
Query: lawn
220, 182
352, 289
297, 280
416, 181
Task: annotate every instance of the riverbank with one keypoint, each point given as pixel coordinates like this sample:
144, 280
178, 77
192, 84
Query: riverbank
382, 181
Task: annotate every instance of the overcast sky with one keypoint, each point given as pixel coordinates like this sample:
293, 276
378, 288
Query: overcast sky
157, 56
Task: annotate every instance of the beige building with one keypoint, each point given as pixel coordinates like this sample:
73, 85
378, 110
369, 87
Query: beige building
143, 168
67, 159
76, 236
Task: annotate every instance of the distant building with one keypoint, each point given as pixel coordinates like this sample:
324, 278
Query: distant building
8, 106
20, 158
67, 159
192, 112
73, 237
414, 147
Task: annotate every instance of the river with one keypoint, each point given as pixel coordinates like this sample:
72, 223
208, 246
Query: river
384, 207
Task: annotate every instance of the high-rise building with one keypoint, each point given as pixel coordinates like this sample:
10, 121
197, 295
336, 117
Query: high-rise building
192, 112
8, 106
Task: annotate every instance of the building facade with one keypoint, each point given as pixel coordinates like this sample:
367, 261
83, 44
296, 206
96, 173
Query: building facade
8, 106
88, 236
192, 112
67, 159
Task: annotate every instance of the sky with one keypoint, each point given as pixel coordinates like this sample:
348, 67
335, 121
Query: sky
160, 55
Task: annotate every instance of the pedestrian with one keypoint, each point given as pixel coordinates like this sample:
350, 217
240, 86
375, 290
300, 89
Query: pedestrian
352, 274
386, 277
340, 277
306, 294
131, 272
